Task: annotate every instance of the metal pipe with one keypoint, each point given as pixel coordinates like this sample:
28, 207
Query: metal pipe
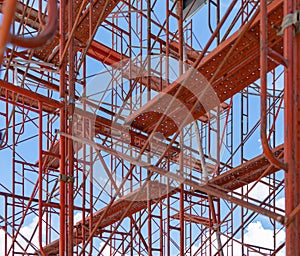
215, 225
70, 151
62, 140
4, 138
263, 81
40, 221
201, 153
29, 94
292, 140
7, 18
181, 135
46, 34
40, 14
149, 217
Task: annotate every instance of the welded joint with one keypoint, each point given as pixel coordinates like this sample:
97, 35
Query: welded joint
289, 20
65, 178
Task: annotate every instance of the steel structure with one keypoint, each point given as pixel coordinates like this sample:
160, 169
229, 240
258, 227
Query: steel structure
141, 127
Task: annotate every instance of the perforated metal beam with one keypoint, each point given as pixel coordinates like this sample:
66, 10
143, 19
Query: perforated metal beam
241, 69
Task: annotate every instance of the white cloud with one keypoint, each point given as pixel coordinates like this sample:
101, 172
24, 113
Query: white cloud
2, 237
23, 239
77, 217
255, 234
259, 191
108, 251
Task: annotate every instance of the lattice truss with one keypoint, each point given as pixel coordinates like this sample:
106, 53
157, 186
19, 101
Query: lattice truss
135, 129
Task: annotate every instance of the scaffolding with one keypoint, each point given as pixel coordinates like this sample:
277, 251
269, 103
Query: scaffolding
147, 127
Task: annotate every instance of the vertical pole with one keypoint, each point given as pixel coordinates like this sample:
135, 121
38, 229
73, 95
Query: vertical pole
149, 49
148, 99
40, 222
70, 151
62, 184
218, 14
168, 219
181, 198
292, 129
149, 220
161, 230
181, 163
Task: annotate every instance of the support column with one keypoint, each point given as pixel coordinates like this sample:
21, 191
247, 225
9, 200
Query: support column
292, 129
62, 141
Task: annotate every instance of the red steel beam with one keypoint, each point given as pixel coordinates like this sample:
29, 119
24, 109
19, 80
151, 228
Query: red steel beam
136, 200
102, 125
230, 180
241, 69
105, 54
246, 173
195, 219
27, 97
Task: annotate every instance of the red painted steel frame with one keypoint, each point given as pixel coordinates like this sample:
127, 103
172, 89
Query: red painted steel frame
292, 117
208, 216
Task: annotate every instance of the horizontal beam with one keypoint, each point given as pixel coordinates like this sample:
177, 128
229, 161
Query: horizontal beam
205, 188
27, 97
209, 190
102, 125
195, 219
124, 207
196, 87
105, 54
248, 172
